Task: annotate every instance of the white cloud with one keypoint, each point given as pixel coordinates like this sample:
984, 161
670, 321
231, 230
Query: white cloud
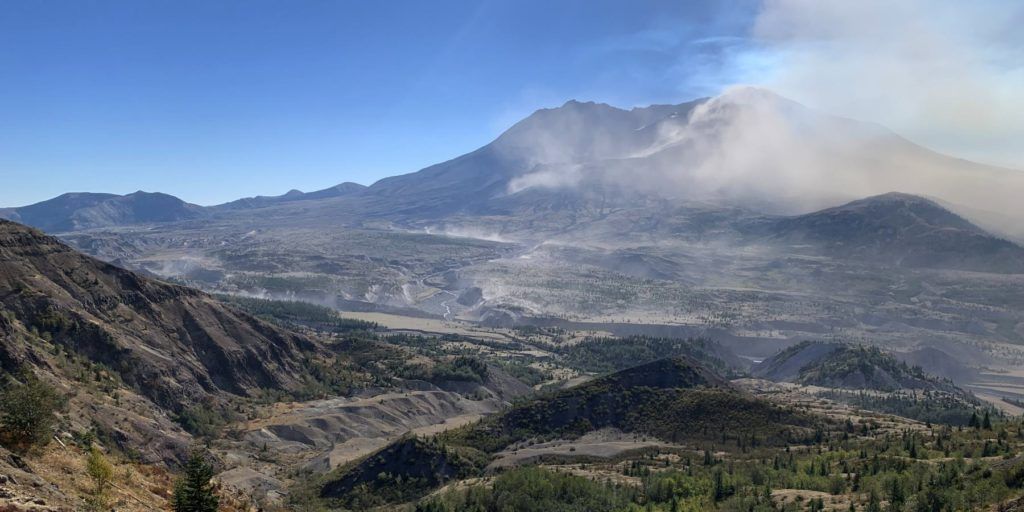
947, 74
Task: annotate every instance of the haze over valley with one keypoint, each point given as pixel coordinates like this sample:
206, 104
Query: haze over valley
588, 214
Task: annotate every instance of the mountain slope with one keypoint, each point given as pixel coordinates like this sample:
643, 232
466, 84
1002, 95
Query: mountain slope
904, 230
745, 147
175, 345
549, 140
673, 399
340, 190
75, 211
837, 365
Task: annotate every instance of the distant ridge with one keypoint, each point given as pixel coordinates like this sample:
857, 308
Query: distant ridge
82, 210
340, 190
76, 211
904, 230
837, 365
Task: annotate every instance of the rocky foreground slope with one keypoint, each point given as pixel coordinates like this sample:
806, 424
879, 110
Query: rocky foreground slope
175, 345
132, 354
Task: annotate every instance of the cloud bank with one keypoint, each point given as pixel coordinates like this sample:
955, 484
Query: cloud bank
947, 74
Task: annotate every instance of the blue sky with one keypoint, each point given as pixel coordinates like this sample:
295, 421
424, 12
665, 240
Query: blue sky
212, 100
215, 100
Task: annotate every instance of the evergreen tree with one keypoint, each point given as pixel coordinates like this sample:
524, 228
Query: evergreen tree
986, 423
101, 473
973, 422
874, 505
896, 494
431, 506
27, 412
720, 490
193, 491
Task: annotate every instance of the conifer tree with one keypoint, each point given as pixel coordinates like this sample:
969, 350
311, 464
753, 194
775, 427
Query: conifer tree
193, 491
973, 422
101, 473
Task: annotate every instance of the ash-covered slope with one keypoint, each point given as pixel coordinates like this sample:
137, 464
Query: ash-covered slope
838, 365
940, 363
75, 211
747, 147
549, 141
175, 345
904, 230
586, 161
344, 189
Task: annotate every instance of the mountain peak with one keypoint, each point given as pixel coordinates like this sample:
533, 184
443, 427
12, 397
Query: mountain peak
904, 230
910, 207
85, 210
577, 103
752, 93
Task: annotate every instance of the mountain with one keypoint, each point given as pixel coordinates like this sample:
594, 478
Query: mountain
82, 210
699, 218
837, 365
547, 141
904, 230
340, 190
76, 211
746, 147
177, 346
571, 166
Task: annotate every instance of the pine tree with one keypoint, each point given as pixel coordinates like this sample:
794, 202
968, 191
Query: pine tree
101, 472
27, 412
987, 422
874, 505
896, 494
720, 491
193, 491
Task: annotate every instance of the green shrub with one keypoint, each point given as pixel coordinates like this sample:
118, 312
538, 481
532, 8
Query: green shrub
202, 420
101, 473
27, 413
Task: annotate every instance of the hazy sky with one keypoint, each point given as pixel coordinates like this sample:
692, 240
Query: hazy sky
215, 100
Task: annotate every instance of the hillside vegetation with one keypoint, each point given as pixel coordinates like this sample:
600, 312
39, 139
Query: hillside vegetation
837, 365
675, 400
